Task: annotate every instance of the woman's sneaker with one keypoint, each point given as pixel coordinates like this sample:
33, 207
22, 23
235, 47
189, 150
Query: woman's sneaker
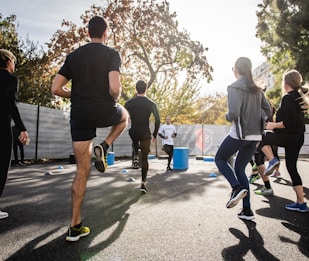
276, 174
254, 169
253, 177
274, 163
246, 214
298, 207
264, 191
236, 195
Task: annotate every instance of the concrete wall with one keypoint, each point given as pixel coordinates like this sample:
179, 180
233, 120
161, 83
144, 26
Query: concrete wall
49, 131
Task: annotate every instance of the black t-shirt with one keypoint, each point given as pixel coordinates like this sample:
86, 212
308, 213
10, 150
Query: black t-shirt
140, 109
88, 68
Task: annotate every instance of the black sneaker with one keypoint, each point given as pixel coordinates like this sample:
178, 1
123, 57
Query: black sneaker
135, 163
143, 189
169, 168
246, 214
74, 234
101, 158
236, 195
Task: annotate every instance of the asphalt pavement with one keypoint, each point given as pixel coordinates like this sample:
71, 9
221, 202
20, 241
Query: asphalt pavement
183, 217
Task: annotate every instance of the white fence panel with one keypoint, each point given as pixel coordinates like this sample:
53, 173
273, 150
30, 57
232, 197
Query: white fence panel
49, 131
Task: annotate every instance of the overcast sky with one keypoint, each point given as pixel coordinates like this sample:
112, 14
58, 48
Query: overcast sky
226, 27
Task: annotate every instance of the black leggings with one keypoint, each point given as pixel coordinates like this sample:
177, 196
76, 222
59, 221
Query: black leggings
292, 144
169, 149
144, 146
141, 140
259, 156
5, 159
18, 145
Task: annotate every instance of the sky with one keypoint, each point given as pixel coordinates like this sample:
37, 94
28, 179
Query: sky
226, 27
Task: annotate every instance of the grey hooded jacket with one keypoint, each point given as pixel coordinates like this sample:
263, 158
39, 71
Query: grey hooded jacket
247, 109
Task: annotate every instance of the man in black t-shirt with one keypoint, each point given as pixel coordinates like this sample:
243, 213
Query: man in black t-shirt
140, 109
94, 70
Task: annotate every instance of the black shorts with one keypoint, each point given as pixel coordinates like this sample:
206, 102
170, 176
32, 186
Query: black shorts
86, 130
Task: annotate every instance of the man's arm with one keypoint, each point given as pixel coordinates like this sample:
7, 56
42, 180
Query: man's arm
114, 84
58, 87
175, 132
157, 120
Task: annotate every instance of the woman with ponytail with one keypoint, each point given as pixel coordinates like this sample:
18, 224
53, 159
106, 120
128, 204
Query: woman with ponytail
247, 110
288, 131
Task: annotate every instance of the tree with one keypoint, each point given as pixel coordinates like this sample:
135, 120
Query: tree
151, 46
32, 68
9, 37
212, 109
283, 27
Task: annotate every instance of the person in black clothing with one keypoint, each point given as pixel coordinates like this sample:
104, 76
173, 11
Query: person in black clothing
17, 145
8, 111
288, 132
140, 109
95, 72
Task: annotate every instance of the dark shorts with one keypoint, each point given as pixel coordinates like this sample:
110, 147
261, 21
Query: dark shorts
86, 130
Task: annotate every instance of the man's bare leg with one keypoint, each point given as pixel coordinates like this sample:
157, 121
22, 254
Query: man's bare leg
82, 151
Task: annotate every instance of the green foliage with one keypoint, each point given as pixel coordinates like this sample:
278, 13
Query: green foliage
211, 109
32, 66
283, 27
9, 36
152, 49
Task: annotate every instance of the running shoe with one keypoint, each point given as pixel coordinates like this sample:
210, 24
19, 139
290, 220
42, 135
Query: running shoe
254, 169
74, 234
3, 214
253, 177
236, 195
135, 163
169, 168
298, 207
143, 188
276, 174
101, 158
246, 214
264, 191
274, 163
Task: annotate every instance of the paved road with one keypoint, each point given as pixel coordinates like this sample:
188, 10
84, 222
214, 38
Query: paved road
182, 218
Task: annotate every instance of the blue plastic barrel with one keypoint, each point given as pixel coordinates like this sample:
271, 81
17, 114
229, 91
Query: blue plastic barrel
181, 158
110, 158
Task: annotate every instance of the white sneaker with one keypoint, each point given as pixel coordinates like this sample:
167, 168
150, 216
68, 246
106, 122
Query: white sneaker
3, 214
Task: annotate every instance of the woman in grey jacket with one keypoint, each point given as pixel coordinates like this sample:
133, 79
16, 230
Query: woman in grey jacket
247, 110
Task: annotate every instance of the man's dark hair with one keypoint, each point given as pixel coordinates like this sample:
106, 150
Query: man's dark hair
141, 87
97, 26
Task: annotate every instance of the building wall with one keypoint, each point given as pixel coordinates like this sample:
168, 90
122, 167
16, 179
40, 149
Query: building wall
263, 72
49, 131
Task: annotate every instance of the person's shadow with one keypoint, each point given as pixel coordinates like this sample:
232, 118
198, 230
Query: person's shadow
253, 242
108, 221
295, 221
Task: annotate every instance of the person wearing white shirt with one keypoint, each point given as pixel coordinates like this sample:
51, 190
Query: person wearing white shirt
167, 133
